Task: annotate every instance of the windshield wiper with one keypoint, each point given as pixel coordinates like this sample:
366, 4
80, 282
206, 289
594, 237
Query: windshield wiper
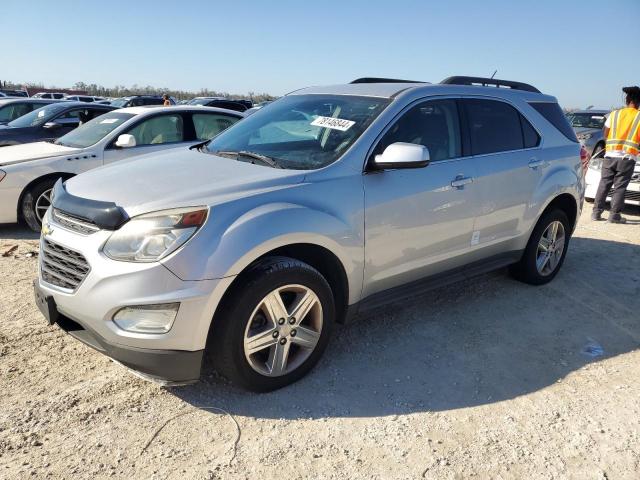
256, 156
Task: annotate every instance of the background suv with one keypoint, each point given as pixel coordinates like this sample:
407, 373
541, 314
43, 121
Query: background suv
588, 125
330, 202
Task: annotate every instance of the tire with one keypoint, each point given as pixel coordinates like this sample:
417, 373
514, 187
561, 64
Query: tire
599, 146
527, 269
244, 324
33, 200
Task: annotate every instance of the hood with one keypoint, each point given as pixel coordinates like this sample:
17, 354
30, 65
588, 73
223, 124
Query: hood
177, 178
32, 151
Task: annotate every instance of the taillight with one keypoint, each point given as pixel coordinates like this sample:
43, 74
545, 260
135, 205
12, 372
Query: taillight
584, 154
584, 158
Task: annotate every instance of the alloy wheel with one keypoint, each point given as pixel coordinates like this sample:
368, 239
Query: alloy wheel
550, 248
43, 203
283, 330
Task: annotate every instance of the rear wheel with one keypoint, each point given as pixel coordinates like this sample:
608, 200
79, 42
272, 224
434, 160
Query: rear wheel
546, 250
35, 203
274, 329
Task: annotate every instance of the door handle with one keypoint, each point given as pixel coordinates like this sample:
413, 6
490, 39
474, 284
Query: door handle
535, 163
461, 181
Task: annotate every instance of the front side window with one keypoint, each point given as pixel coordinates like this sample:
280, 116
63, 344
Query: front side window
93, 131
494, 126
434, 124
160, 129
209, 125
319, 133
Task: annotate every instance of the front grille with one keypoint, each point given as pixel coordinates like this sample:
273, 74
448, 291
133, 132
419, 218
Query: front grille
74, 223
62, 267
628, 195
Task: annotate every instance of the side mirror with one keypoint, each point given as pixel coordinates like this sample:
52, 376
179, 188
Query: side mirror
402, 155
52, 125
126, 141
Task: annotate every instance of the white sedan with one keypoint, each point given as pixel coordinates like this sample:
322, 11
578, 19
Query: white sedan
592, 179
29, 171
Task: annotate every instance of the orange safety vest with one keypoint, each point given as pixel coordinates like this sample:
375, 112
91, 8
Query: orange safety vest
624, 134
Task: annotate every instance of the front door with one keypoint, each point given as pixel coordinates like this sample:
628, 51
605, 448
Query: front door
420, 222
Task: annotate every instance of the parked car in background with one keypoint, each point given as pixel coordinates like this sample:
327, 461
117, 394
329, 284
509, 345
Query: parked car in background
220, 102
250, 248
137, 101
13, 93
82, 98
28, 172
52, 95
49, 122
588, 125
12, 108
592, 180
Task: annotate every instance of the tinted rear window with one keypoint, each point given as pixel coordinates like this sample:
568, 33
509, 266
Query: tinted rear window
493, 126
531, 137
553, 113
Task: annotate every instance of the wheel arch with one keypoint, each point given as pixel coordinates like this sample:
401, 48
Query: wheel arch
318, 257
35, 181
568, 204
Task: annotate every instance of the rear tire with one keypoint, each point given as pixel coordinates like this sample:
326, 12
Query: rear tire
35, 203
247, 334
543, 257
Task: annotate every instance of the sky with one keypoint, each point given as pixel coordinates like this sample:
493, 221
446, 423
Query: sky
583, 52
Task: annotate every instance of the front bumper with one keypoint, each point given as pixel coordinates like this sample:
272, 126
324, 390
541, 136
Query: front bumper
168, 367
87, 312
631, 195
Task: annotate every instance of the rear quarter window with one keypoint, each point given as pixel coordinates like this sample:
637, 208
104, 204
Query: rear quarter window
556, 117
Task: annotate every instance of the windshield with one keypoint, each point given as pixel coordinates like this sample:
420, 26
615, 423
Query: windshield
39, 116
199, 101
586, 120
120, 102
301, 132
94, 130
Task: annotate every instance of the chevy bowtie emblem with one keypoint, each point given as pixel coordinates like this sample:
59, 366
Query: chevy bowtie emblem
46, 229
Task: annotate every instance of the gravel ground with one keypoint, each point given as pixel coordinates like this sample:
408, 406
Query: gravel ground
488, 379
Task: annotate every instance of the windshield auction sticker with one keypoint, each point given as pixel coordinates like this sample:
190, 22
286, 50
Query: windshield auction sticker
333, 123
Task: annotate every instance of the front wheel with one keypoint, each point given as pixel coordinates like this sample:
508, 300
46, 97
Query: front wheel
546, 250
35, 203
274, 328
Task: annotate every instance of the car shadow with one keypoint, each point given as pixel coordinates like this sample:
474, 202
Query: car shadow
17, 232
477, 342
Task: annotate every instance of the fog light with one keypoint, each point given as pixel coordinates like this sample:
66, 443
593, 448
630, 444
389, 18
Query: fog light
147, 318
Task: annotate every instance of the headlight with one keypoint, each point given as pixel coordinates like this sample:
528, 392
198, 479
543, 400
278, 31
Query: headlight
595, 163
151, 237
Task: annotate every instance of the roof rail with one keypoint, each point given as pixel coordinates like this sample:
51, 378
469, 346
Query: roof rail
383, 80
485, 82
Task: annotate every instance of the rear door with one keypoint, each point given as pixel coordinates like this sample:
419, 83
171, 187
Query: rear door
508, 168
419, 222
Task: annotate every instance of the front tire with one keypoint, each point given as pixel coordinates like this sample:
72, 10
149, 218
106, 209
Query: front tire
546, 250
35, 203
274, 328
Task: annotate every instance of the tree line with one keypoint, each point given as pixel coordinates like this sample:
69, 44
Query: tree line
124, 91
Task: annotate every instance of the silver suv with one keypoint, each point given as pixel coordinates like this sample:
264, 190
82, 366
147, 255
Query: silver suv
323, 205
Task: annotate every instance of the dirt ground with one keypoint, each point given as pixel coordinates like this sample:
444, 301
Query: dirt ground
485, 379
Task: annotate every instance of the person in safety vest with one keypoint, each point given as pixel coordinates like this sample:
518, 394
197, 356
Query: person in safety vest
622, 131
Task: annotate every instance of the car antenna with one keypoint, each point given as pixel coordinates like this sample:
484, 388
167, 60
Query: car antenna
494, 73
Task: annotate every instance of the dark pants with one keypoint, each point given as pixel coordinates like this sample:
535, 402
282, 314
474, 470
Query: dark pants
616, 172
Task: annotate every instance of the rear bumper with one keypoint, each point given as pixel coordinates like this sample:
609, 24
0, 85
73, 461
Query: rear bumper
168, 367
